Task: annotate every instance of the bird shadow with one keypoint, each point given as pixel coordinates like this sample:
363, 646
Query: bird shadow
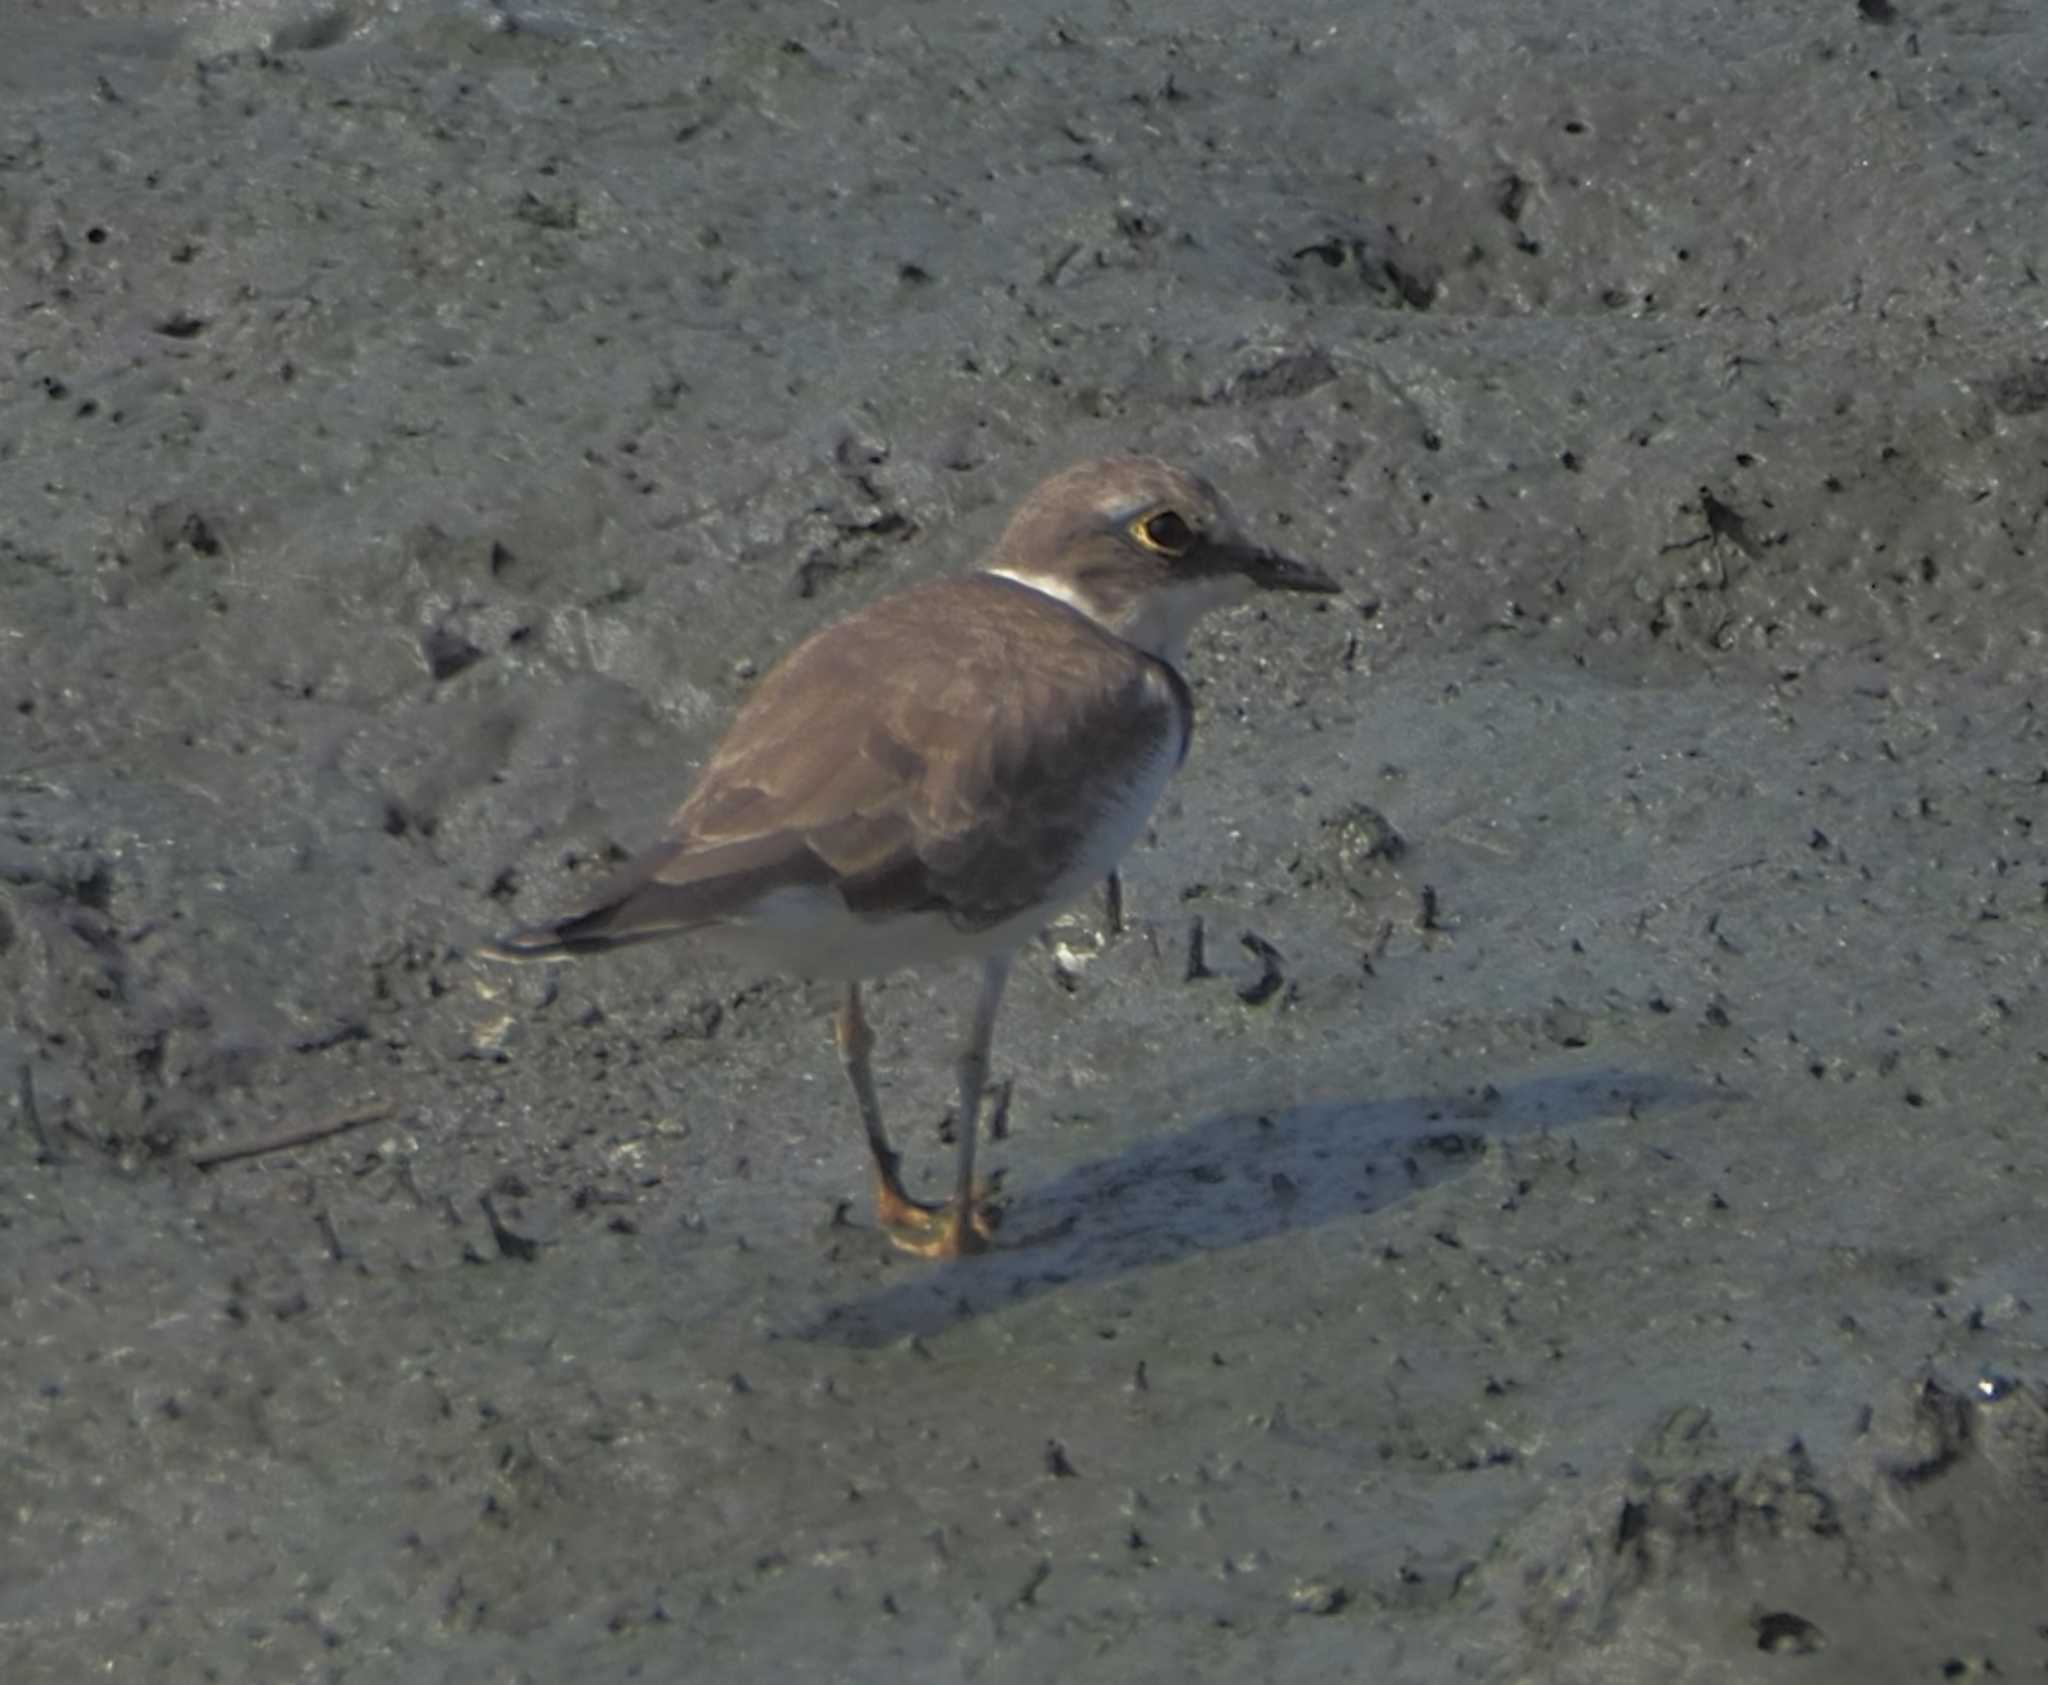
1231, 1180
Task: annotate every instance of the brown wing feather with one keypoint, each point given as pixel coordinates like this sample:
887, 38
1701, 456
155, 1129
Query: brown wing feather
928, 753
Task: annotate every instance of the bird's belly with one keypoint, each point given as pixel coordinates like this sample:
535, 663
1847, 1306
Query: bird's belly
811, 932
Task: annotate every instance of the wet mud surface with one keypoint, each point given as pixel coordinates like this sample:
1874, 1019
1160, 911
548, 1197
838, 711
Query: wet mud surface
1548, 1181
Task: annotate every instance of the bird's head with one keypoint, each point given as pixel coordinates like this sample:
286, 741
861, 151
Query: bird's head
1142, 548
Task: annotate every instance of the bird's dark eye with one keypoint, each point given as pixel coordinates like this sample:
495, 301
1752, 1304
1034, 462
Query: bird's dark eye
1166, 533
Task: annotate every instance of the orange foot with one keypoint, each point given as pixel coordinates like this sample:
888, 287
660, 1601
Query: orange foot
936, 1231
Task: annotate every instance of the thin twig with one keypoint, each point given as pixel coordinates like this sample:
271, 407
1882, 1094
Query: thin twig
45, 1153
299, 1136
1113, 904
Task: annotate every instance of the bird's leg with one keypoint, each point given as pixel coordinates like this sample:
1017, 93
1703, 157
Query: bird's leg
894, 1208
966, 1226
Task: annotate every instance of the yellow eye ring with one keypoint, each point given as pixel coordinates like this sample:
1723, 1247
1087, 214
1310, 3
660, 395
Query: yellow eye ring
1164, 533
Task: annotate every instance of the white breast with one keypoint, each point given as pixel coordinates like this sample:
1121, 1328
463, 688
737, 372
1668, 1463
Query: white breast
1119, 824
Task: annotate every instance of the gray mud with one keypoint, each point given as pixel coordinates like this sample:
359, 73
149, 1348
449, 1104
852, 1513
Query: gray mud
1602, 1233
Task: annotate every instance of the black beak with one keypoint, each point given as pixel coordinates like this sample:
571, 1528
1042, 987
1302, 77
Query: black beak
1271, 571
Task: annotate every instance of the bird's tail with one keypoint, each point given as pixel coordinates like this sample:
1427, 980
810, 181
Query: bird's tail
599, 930
669, 891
